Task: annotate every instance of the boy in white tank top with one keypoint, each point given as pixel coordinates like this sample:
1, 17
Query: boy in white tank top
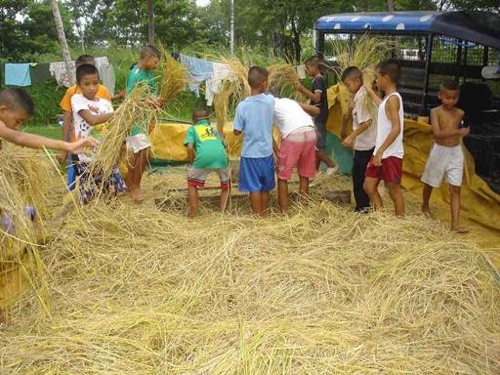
387, 161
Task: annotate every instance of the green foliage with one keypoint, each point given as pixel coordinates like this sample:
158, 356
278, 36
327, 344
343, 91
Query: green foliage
46, 97
27, 29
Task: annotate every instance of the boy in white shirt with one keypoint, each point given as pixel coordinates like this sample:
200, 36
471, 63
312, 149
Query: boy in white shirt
387, 161
363, 136
90, 110
298, 146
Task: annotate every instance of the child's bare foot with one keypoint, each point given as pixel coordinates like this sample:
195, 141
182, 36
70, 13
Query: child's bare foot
426, 212
137, 195
460, 230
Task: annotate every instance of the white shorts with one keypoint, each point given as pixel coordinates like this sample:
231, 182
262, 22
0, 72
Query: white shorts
138, 142
443, 161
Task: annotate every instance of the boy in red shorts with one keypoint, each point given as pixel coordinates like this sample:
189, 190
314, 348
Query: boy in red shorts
387, 161
298, 146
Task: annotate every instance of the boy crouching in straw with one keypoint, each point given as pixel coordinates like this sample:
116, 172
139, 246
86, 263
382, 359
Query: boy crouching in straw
207, 154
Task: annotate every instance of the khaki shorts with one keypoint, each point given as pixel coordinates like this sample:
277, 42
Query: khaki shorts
198, 176
138, 142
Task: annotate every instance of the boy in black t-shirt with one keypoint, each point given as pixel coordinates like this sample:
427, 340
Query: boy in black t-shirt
318, 97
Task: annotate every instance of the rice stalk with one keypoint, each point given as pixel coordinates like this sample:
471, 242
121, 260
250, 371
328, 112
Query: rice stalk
364, 53
174, 78
282, 80
234, 89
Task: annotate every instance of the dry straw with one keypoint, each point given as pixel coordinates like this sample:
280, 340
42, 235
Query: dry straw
174, 78
234, 89
320, 291
25, 178
364, 53
282, 80
138, 109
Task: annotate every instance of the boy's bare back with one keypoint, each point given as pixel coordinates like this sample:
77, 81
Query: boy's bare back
448, 121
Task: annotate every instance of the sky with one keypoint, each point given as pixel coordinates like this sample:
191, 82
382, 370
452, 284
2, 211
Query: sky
202, 2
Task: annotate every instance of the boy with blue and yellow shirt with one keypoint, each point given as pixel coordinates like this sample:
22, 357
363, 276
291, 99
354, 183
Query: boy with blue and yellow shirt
207, 154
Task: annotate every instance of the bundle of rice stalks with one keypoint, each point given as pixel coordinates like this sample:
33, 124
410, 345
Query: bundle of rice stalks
138, 110
364, 53
282, 80
234, 90
144, 291
173, 80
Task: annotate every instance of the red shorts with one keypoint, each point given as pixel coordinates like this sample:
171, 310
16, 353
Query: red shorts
298, 150
391, 170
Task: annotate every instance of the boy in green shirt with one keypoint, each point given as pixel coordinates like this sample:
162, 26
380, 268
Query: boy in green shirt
207, 153
138, 141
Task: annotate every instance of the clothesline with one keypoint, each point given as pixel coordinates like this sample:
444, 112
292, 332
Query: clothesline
27, 74
212, 73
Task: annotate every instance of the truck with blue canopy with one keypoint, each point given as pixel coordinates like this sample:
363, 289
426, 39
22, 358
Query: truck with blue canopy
431, 47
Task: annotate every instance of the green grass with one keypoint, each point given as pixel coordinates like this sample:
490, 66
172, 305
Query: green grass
54, 132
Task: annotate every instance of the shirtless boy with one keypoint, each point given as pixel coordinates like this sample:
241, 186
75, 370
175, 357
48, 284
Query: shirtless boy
446, 157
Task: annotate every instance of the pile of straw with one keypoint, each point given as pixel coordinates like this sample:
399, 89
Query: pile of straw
234, 90
322, 291
25, 180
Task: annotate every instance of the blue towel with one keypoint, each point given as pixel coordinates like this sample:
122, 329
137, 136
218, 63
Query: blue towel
17, 75
198, 70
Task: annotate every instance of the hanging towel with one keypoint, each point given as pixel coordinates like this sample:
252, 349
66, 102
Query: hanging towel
58, 71
39, 73
17, 75
198, 71
214, 84
106, 73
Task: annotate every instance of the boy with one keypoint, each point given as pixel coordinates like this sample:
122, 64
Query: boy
446, 157
138, 141
65, 104
88, 111
254, 118
16, 106
298, 142
363, 135
387, 161
317, 96
205, 142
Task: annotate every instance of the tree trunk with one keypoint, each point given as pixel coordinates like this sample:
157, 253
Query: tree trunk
297, 48
390, 5
151, 23
62, 41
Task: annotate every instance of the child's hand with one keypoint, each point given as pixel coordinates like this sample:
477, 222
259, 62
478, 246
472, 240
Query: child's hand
62, 156
464, 131
298, 87
377, 160
348, 142
80, 146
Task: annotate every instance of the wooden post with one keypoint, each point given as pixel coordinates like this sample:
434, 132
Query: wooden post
390, 5
62, 41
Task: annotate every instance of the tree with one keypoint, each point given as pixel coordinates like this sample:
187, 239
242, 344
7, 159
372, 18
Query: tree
151, 23
62, 40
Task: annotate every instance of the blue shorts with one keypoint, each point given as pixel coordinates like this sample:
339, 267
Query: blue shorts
256, 174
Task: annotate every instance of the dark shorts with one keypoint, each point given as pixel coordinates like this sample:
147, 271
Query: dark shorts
391, 170
256, 174
321, 140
